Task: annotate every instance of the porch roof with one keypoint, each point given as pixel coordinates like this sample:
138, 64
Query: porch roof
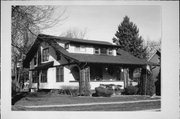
119, 59
44, 66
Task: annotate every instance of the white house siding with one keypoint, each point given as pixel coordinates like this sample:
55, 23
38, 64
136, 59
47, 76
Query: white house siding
51, 72
88, 49
114, 52
60, 85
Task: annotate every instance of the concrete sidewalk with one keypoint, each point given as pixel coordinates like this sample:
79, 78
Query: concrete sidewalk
89, 104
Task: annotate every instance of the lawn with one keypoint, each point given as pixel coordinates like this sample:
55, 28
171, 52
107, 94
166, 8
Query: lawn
109, 107
48, 99
34, 99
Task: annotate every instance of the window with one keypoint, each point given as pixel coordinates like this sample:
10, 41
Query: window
44, 76
96, 51
67, 46
35, 59
82, 49
104, 51
59, 74
110, 51
45, 54
77, 48
35, 76
58, 55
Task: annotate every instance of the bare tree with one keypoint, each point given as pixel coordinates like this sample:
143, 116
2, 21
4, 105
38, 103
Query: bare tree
75, 33
27, 23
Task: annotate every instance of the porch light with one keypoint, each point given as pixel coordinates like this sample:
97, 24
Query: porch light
122, 70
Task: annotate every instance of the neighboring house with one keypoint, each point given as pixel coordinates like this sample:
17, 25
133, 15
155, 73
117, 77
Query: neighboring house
156, 58
57, 62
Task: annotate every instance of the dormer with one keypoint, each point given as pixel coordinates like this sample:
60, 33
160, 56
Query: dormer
105, 51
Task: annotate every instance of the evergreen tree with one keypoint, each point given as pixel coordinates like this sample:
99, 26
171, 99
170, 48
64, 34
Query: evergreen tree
127, 37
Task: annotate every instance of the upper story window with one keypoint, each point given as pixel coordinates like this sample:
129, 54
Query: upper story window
82, 48
67, 46
45, 54
110, 51
96, 50
103, 51
35, 59
79, 48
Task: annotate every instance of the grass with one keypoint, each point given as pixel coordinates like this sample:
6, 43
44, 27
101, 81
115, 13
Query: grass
109, 107
45, 98
48, 99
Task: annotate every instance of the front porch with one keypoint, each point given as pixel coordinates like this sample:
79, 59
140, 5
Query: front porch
97, 74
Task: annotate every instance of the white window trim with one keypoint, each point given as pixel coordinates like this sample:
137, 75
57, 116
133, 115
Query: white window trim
42, 55
97, 50
36, 60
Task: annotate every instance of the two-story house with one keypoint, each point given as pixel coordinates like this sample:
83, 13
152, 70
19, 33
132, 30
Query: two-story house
57, 62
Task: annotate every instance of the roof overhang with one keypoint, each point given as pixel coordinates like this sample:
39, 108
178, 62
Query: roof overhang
124, 58
44, 66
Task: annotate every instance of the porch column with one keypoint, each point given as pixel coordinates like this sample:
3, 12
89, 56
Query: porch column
125, 77
39, 80
84, 82
30, 80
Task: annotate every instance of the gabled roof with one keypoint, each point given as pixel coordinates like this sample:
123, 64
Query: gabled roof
123, 57
76, 40
156, 51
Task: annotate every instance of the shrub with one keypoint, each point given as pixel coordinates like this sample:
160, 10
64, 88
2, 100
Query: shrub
14, 88
130, 90
67, 90
146, 85
100, 91
150, 86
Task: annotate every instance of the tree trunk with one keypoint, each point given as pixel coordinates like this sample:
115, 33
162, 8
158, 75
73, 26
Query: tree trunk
16, 75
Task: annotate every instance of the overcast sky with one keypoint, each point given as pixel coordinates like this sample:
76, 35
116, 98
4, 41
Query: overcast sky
101, 22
